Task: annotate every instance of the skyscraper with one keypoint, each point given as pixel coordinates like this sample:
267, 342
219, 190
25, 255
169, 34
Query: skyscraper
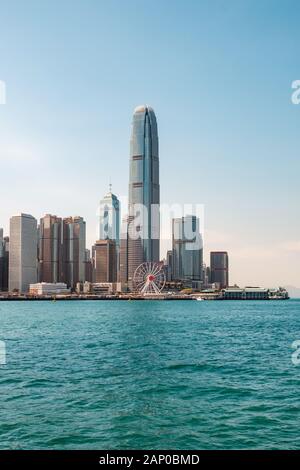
123, 266
187, 253
50, 249
105, 256
22, 252
109, 226
5, 263
74, 254
219, 268
2, 259
144, 193
88, 266
169, 265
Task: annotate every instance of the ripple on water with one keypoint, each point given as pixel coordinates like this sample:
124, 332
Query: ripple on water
149, 375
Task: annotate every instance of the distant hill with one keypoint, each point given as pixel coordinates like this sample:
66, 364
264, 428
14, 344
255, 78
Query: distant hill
293, 291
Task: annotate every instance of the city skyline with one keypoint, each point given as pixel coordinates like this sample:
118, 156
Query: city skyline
228, 128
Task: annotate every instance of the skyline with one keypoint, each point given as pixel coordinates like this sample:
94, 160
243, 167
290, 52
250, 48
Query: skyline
228, 130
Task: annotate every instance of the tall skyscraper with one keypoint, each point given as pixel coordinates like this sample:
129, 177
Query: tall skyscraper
187, 253
123, 266
5, 263
74, 254
105, 256
169, 265
50, 249
109, 226
219, 268
22, 252
88, 266
1, 257
143, 190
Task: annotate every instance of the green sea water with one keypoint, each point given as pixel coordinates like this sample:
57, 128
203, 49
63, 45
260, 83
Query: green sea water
149, 375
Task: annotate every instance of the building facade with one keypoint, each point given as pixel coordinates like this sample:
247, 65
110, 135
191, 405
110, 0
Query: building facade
22, 252
88, 266
105, 261
123, 266
45, 288
219, 268
4, 259
169, 265
50, 249
144, 191
74, 252
187, 252
248, 293
109, 226
109, 214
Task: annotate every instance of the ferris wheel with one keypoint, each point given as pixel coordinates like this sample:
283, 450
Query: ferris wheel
149, 278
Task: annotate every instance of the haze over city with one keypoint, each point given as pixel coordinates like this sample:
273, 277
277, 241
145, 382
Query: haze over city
221, 90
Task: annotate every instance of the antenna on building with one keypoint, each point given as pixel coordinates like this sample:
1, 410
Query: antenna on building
110, 185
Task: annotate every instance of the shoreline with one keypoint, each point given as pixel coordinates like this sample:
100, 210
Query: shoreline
70, 298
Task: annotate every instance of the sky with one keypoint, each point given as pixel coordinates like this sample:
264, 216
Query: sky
218, 75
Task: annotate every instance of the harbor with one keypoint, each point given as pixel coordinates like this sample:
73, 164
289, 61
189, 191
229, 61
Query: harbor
234, 293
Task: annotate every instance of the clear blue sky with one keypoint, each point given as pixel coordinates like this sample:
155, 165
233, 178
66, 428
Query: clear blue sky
218, 75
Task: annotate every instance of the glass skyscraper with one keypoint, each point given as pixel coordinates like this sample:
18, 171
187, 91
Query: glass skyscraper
187, 256
143, 190
109, 226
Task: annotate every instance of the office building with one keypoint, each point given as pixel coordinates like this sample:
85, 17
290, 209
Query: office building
219, 268
50, 249
105, 261
22, 253
4, 259
169, 265
109, 224
74, 254
187, 253
88, 266
144, 192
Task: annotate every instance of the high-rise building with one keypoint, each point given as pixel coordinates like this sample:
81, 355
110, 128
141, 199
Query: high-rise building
1, 257
109, 226
169, 265
88, 266
74, 254
50, 249
144, 192
205, 275
219, 268
4, 259
187, 253
123, 267
22, 252
105, 265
